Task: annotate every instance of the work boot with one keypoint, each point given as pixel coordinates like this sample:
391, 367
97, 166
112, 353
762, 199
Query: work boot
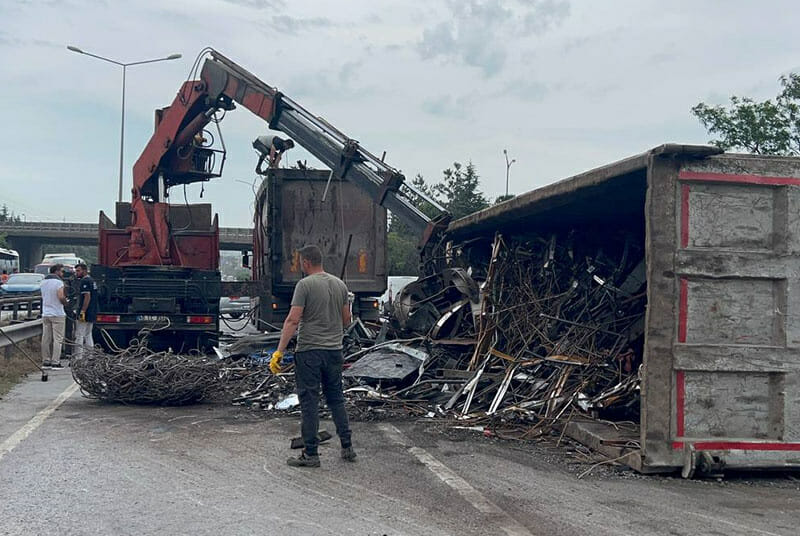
304, 460
348, 454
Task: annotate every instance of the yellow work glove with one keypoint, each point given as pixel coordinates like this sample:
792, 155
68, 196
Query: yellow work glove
275, 362
82, 316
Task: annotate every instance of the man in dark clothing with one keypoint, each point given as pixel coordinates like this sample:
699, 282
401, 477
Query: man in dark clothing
87, 310
319, 310
271, 148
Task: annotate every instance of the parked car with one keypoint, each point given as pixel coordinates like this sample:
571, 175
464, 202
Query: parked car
234, 306
52, 257
25, 283
68, 262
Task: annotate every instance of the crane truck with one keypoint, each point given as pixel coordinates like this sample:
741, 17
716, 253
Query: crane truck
158, 261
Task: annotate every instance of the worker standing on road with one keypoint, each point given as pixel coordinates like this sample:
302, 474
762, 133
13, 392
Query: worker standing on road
53, 317
4, 277
319, 309
87, 309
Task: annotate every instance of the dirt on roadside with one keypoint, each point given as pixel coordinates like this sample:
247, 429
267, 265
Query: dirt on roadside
14, 366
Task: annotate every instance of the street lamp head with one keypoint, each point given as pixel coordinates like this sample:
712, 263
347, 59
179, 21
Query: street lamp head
74, 49
505, 152
174, 57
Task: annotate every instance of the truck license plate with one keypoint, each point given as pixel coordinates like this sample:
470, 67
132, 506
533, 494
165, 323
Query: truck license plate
152, 318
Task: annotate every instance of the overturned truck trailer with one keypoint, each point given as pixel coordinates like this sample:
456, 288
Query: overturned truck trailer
720, 351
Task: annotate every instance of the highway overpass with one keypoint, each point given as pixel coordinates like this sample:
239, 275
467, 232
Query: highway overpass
28, 237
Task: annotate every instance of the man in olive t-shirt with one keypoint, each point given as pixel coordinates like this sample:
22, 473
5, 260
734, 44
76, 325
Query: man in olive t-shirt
319, 311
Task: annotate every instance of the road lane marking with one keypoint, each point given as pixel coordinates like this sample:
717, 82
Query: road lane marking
737, 525
19, 436
504, 521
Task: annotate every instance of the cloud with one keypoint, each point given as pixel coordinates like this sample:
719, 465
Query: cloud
477, 32
12, 41
544, 15
526, 90
349, 70
337, 83
449, 106
258, 4
294, 25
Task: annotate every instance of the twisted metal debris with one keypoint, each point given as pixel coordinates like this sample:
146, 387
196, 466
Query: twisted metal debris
136, 375
556, 328
543, 328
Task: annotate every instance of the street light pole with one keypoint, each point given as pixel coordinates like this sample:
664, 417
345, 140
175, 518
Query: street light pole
122, 122
122, 134
508, 168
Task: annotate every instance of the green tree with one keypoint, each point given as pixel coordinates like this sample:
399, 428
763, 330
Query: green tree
4, 242
459, 192
501, 198
403, 258
243, 274
767, 127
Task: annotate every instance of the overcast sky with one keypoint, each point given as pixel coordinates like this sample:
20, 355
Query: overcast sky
564, 85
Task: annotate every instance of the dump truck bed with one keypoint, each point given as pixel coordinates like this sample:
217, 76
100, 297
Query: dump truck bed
297, 207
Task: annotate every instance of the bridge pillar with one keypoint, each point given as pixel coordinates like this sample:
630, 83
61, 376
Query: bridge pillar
30, 252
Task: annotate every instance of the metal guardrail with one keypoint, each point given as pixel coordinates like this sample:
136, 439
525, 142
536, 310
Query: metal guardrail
20, 332
17, 304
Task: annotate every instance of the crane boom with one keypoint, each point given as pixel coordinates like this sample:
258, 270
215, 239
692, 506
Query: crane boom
333, 148
176, 155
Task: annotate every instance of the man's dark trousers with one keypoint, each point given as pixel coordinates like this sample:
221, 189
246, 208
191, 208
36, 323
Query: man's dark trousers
315, 368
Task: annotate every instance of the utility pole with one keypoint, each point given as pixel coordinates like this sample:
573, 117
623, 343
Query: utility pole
508, 168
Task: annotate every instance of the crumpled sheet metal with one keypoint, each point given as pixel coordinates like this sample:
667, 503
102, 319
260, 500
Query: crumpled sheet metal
390, 362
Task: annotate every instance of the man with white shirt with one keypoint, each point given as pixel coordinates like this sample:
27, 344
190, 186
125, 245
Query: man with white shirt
53, 317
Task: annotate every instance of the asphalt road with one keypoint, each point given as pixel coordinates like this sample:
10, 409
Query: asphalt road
69, 465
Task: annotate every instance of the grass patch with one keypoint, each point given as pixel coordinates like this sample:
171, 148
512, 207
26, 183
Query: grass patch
14, 366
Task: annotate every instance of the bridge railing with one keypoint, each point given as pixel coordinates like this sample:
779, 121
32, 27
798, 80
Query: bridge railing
226, 234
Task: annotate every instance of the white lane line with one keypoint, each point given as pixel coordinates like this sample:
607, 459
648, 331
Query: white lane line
746, 528
505, 522
19, 436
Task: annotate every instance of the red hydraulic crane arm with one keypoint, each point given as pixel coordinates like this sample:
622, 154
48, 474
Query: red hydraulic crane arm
163, 163
221, 83
176, 155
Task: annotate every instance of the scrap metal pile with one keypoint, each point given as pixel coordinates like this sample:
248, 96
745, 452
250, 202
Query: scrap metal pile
563, 323
138, 375
515, 336
554, 327
515, 340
